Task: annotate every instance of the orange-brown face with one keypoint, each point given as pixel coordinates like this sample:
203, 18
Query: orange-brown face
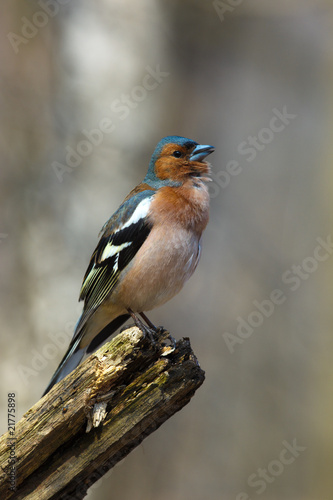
175, 163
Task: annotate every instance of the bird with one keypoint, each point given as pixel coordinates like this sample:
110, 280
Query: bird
147, 250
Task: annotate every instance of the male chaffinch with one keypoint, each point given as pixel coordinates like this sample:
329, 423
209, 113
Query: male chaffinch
147, 249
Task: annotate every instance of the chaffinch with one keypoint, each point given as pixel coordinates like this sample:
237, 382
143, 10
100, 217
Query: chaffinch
147, 249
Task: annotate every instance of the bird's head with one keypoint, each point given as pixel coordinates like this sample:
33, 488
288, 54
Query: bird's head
177, 159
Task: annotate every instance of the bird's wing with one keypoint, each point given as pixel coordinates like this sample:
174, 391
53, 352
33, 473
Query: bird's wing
121, 238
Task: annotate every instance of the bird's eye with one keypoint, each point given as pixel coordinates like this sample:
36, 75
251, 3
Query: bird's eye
177, 154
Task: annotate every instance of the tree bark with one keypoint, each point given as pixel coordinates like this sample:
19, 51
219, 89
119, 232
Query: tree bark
95, 416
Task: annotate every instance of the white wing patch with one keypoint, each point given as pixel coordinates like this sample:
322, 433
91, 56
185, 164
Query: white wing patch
101, 279
140, 212
115, 265
111, 249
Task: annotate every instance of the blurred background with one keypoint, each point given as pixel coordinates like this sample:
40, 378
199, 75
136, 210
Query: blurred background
87, 90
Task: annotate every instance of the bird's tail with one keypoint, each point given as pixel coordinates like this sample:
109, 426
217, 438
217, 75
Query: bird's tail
70, 361
75, 353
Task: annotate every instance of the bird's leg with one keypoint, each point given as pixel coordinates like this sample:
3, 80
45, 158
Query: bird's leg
157, 329
149, 323
151, 329
144, 328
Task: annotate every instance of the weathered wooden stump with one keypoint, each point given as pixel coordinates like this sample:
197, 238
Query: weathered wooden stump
95, 416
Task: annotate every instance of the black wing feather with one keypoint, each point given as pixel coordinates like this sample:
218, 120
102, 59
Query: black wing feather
102, 275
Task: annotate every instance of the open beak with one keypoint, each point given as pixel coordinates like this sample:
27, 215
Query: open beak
200, 152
